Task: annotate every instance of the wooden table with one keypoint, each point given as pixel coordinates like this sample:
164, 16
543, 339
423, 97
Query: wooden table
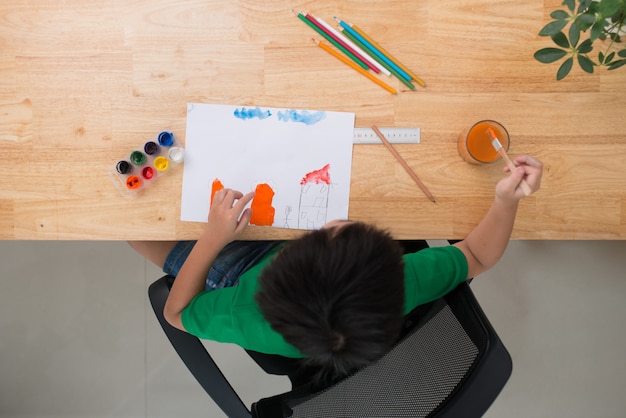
82, 82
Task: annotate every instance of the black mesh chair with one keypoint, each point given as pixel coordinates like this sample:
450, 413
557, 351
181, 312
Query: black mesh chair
449, 362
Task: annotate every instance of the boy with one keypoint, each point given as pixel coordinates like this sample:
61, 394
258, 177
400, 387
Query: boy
335, 297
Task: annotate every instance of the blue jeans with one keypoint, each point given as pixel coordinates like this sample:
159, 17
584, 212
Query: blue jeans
234, 260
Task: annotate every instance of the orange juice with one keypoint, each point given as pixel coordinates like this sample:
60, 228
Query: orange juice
475, 143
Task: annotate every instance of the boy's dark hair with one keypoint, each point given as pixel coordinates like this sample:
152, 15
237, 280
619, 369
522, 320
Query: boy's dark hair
337, 296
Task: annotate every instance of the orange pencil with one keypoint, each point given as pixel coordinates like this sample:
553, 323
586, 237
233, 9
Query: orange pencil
404, 164
388, 55
353, 65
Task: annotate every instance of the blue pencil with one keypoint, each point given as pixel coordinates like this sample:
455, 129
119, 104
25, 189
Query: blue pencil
374, 50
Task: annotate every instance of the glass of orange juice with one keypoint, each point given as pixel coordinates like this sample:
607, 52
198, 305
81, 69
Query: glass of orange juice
475, 143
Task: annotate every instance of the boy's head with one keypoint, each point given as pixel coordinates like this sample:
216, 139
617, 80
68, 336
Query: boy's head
336, 294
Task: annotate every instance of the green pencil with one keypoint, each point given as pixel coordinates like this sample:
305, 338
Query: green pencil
332, 41
381, 62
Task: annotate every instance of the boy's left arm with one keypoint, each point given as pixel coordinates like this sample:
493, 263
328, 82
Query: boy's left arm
486, 243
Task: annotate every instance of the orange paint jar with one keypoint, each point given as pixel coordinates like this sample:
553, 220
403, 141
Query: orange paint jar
474, 143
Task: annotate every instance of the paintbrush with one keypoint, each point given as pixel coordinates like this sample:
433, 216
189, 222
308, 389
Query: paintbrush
497, 145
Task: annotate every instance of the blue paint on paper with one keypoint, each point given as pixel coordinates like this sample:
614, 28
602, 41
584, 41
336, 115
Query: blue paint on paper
304, 116
245, 114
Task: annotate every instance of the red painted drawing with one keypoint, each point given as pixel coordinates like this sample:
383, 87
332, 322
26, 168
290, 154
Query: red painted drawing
317, 176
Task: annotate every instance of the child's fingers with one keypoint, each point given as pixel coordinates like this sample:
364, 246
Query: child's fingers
226, 197
243, 221
243, 201
528, 160
533, 169
515, 178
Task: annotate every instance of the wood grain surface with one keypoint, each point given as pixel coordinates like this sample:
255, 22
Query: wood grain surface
83, 82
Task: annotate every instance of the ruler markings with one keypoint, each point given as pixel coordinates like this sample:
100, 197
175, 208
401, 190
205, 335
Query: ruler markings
393, 135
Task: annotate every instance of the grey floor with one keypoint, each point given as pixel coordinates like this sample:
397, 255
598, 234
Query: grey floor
78, 338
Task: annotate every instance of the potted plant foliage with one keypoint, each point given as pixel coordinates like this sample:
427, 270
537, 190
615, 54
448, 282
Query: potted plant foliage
601, 20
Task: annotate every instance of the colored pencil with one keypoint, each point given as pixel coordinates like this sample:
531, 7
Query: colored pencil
373, 49
350, 46
340, 57
404, 164
380, 61
324, 26
381, 49
331, 40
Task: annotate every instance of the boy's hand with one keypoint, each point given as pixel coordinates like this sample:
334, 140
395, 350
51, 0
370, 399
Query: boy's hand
529, 169
228, 217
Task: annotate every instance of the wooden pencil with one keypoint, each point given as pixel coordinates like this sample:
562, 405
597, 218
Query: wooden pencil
405, 80
404, 164
358, 51
330, 31
313, 25
340, 57
388, 55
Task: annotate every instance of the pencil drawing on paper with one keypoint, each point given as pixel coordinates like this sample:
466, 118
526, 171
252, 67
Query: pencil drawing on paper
276, 152
312, 205
314, 192
286, 219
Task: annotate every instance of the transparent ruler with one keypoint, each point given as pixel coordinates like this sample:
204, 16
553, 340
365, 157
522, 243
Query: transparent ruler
393, 135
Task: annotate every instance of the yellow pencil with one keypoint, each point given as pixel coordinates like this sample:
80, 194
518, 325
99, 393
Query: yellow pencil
340, 57
388, 55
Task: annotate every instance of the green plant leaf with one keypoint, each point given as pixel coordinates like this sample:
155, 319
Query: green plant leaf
586, 64
609, 7
585, 21
584, 5
561, 40
585, 47
548, 55
622, 53
616, 64
601, 57
618, 16
559, 15
609, 58
593, 8
565, 68
552, 28
570, 4
574, 34
596, 30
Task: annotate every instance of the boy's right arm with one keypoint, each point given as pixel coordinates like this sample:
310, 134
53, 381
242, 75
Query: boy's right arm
486, 243
226, 221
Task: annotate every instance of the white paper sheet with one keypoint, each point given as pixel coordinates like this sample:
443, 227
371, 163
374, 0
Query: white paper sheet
295, 152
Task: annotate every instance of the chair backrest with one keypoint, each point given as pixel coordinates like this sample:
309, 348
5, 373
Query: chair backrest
448, 363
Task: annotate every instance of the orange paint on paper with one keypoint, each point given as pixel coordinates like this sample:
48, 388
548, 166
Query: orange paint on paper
262, 209
215, 187
317, 176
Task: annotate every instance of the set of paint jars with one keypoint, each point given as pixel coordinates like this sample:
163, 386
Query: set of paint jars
145, 164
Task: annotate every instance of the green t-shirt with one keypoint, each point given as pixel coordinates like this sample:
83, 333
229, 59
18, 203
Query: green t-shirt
231, 315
